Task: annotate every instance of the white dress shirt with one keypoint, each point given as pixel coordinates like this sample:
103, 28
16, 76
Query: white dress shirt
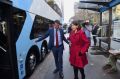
59, 37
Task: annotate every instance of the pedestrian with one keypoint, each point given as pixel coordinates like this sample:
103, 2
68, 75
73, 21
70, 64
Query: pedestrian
87, 28
94, 33
78, 46
56, 45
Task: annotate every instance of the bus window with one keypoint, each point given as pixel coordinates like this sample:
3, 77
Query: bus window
3, 38
40, 26
4, 46
18, 21
3, 32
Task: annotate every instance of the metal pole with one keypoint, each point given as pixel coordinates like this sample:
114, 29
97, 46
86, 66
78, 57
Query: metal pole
109, 28
100, 18
100, 25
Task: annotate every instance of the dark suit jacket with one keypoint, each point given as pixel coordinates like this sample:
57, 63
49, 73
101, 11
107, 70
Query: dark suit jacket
94, 31
50, 33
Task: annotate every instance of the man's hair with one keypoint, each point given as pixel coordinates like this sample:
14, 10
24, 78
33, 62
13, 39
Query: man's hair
57, 21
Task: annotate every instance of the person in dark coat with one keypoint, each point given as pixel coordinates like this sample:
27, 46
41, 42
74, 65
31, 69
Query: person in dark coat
79, 46
94, 33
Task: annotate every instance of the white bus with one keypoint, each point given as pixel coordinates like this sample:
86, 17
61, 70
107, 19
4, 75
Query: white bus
21, 23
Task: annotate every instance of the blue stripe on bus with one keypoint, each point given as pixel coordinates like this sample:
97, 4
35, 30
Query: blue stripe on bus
23, 45
23, 4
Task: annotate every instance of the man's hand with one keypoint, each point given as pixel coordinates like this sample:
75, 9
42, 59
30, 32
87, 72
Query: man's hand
67, 38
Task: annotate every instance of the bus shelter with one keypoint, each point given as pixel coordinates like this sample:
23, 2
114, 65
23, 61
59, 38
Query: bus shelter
109, 11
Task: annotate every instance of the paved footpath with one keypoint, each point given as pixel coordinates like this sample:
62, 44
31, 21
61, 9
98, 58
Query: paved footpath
93, 70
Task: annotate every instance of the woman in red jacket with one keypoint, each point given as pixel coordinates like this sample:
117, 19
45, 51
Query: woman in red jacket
79, 46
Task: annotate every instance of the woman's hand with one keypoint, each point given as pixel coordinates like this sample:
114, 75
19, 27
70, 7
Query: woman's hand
69, 43
68, 38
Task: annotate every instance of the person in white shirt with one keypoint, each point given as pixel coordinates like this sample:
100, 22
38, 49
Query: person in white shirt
87, 28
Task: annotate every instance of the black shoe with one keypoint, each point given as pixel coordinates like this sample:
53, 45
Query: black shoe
55, 71
61, 75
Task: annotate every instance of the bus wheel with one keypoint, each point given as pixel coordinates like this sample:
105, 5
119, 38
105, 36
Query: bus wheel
31, 63
43, 51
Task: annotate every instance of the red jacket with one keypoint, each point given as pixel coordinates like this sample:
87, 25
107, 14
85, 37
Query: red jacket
78, 48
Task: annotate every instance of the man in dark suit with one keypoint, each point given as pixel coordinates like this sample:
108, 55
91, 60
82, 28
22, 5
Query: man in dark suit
94, 33
56, 45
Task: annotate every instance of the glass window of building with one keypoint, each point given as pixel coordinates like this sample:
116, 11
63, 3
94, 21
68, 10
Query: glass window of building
105, 23
116, 21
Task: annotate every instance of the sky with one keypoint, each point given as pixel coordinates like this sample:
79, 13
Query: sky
68, 9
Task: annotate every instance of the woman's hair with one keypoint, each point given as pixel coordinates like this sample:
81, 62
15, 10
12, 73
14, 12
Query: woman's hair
76, 23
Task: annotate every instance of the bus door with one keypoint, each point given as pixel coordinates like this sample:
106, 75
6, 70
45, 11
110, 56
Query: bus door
8, 60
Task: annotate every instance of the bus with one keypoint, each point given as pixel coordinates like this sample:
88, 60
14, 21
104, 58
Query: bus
21, 23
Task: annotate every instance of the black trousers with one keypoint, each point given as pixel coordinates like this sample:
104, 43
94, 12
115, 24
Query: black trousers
76, 72
95, 40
